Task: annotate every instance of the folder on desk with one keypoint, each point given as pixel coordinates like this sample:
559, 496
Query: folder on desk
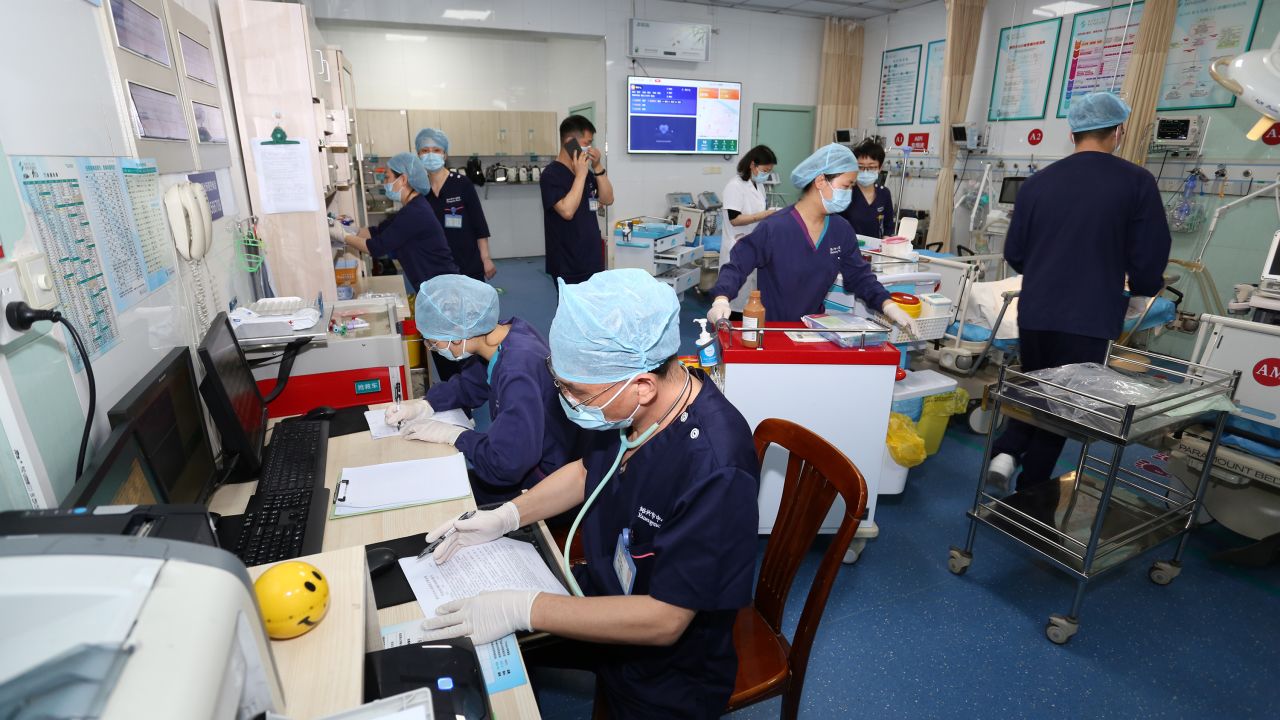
375, 488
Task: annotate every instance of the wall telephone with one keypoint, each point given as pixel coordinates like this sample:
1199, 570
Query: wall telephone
190, 219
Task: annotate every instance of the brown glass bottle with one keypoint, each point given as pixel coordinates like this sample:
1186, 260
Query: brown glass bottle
753, 317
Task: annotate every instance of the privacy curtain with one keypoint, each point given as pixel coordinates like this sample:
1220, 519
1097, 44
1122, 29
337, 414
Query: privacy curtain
841, 79
1141, 87
964, 27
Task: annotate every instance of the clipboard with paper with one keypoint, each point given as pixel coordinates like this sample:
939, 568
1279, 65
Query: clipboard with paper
390, 486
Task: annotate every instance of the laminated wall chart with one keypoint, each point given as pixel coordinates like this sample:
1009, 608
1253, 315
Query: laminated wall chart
83, 211
931, 98
1203, 31
899, 76
1024, 69
1101, 43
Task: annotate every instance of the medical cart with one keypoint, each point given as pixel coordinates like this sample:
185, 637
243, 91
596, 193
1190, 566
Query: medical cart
659, 249
1100, 515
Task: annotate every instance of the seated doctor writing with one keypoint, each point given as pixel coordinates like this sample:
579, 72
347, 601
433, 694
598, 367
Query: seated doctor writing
668, 485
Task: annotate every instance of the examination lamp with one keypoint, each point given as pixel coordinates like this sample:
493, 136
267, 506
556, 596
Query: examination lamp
1255, 78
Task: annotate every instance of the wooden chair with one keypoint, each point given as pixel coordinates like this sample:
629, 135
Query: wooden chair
768, 664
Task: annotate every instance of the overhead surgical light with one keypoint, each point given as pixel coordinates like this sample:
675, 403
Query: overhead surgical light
1254, 77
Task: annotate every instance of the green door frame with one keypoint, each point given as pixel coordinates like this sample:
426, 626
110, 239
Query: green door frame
757, 107
578, 110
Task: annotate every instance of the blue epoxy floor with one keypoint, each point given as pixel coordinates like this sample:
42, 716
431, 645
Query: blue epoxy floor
903, 637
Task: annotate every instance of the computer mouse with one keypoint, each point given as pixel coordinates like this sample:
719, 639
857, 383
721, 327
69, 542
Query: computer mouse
380, 560
324, 412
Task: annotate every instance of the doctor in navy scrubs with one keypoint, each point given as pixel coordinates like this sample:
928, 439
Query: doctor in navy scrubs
871, 211
798, 251
669, 482
574, 187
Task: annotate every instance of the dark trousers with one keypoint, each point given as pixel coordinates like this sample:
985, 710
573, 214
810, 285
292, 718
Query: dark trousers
1038, 450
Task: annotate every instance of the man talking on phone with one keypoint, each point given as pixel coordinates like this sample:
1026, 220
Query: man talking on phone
574, 186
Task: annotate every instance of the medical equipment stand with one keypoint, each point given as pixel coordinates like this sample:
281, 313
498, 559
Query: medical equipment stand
1100, 515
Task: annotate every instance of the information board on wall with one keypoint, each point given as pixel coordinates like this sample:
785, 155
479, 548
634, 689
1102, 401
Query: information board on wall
1100, 44
1024, 69
1203, 31
899, 81
83, 212
931, 98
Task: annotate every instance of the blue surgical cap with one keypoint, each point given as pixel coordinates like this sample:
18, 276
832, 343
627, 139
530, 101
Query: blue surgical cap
1097, 110
455, 307
408, 164
617, 324
431, 137
833, 159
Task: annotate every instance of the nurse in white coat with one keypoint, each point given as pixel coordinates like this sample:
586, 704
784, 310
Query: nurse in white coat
744, 206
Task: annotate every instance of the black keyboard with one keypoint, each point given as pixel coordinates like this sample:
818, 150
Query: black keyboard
295, 458
279, 526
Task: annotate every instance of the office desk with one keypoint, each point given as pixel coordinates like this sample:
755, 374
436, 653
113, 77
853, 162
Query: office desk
316, 684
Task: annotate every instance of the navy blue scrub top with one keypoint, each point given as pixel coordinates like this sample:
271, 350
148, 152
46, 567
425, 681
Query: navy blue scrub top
794, 274
414, 237
574, 249
688, 497
530, 436
1078, 228
457, 207
873, 219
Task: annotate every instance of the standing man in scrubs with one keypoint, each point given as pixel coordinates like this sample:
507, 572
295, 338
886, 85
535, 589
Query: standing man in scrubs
871, 211
744, 207
800, 250
504, 364
412, 235
574, 186
1074, 261
669, 525
457, 207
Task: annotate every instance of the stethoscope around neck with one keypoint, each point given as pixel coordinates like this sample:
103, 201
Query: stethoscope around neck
624, 446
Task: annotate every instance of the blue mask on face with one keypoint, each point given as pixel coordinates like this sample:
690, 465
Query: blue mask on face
867, 178
592, 418
392, 194
432, 161
761, 178
840, 199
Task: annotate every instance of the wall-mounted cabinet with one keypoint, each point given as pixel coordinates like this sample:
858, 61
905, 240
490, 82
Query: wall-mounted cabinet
383, 133
471, 132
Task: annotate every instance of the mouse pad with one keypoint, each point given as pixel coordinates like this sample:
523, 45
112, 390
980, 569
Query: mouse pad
348, 421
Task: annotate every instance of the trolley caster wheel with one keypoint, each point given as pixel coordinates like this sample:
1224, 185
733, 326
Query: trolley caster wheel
958, 561
1164, 571
1060, 629
855, 551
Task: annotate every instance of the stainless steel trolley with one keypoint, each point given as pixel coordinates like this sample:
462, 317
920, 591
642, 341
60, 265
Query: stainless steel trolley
1099, 515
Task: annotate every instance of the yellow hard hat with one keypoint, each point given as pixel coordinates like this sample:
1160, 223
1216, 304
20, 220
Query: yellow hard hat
293, 597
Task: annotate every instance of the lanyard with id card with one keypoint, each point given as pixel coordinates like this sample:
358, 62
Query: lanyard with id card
623, 566
453, 220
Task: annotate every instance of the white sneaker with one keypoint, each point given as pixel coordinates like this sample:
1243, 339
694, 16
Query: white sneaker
1000, 471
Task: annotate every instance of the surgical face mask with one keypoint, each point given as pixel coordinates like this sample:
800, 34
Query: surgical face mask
446, 352
432, 161
840, 199
867, 178
392, 194
761, 178
592, 418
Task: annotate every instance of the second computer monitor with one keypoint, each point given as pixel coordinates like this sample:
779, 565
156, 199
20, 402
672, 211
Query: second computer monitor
232, 395
1009, 189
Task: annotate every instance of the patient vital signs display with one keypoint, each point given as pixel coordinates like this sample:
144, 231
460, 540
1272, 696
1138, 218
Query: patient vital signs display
683, 116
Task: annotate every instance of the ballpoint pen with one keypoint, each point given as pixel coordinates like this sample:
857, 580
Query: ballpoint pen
431, 547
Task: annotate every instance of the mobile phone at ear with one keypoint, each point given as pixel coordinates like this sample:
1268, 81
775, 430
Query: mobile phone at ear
572, 147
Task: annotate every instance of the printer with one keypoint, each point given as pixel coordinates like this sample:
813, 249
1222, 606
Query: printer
114, 626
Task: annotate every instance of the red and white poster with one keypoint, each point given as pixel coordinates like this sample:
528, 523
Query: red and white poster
919, 142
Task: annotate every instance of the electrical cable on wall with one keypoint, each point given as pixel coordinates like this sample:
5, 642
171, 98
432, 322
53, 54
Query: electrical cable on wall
21, 316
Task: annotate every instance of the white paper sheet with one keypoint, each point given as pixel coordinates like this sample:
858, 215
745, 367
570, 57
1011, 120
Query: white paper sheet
401, 484
379, 429
286, 182
503, 564
805, 337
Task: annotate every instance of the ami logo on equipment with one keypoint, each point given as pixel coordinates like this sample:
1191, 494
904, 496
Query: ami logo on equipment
1267, 372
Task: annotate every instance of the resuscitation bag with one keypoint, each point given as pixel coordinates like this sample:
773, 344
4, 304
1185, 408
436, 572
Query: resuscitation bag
905, 444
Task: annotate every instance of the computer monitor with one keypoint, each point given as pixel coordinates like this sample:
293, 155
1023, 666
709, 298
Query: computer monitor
1009, 189
118, 475
1271, 268
233, 399
165, 412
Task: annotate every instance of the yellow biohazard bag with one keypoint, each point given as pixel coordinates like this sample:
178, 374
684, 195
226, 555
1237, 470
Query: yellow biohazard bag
905, 444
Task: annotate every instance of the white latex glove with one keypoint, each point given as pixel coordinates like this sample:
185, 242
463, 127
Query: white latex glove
338, 233
434, 431
900, 318
407, 411
485, 618
485, 526
719, 311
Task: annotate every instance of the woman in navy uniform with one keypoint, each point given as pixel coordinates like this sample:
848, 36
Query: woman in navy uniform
871, 211
669, 525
